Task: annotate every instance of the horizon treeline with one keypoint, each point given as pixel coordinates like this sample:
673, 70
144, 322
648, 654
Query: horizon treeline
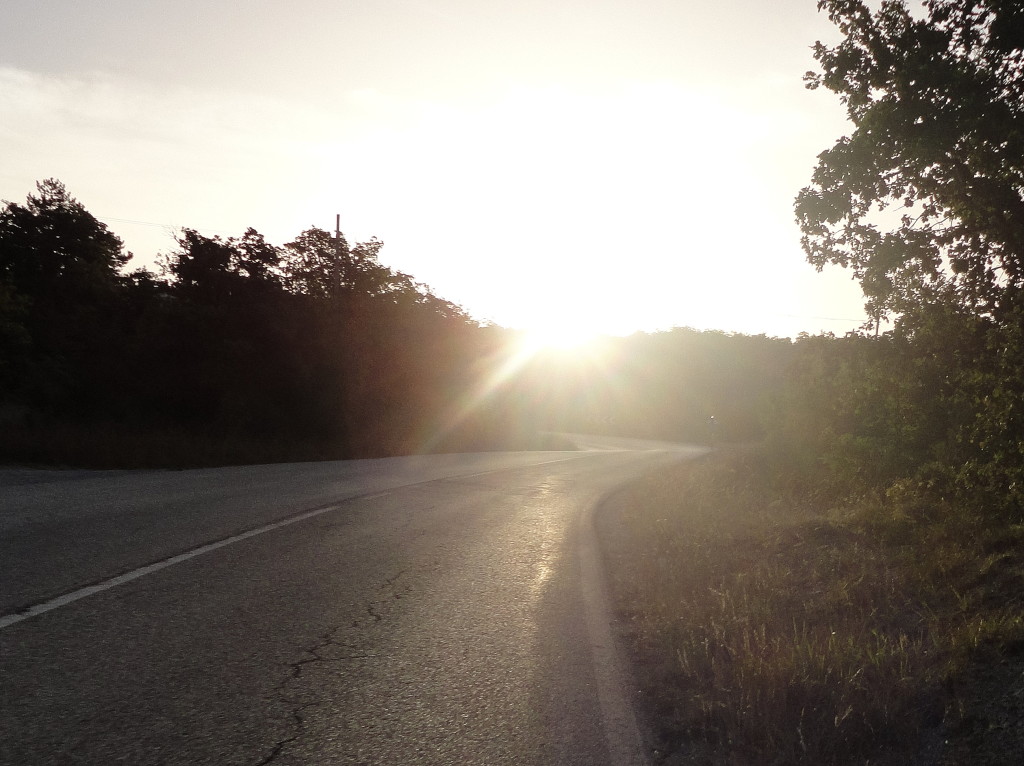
313, 343
309, 350
244, 351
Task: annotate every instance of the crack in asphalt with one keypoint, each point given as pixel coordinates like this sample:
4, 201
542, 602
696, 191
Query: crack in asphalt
377, 611
300, 724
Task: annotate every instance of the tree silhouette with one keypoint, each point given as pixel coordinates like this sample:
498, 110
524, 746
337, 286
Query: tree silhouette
924, 201
938, 145
59, 273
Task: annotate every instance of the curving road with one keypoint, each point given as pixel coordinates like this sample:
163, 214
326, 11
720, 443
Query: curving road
433, 610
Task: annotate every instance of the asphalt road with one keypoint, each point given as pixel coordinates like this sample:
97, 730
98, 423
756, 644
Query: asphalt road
429, 610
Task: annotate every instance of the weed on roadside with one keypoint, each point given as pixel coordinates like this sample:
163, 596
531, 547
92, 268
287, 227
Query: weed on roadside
768, 629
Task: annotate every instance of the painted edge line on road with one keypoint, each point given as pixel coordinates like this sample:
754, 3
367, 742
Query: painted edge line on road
90, 590
623, 738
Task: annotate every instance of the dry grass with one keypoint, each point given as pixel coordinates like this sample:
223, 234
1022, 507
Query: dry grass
771, 630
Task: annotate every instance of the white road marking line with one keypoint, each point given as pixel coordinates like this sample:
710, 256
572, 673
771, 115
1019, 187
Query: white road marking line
622, 732
91, 590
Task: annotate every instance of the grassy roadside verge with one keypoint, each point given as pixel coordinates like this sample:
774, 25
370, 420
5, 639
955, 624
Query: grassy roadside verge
769, 626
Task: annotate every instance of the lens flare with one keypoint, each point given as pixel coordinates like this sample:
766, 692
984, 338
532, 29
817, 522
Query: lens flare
524, 377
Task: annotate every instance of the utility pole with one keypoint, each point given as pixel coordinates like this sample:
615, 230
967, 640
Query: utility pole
336, 277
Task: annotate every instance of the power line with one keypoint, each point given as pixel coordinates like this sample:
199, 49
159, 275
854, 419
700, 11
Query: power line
822, 319
140, 223
157, 224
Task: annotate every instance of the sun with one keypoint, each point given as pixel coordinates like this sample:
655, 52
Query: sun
561, 338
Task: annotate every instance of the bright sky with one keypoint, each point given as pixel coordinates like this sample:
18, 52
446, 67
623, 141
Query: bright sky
613, 165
